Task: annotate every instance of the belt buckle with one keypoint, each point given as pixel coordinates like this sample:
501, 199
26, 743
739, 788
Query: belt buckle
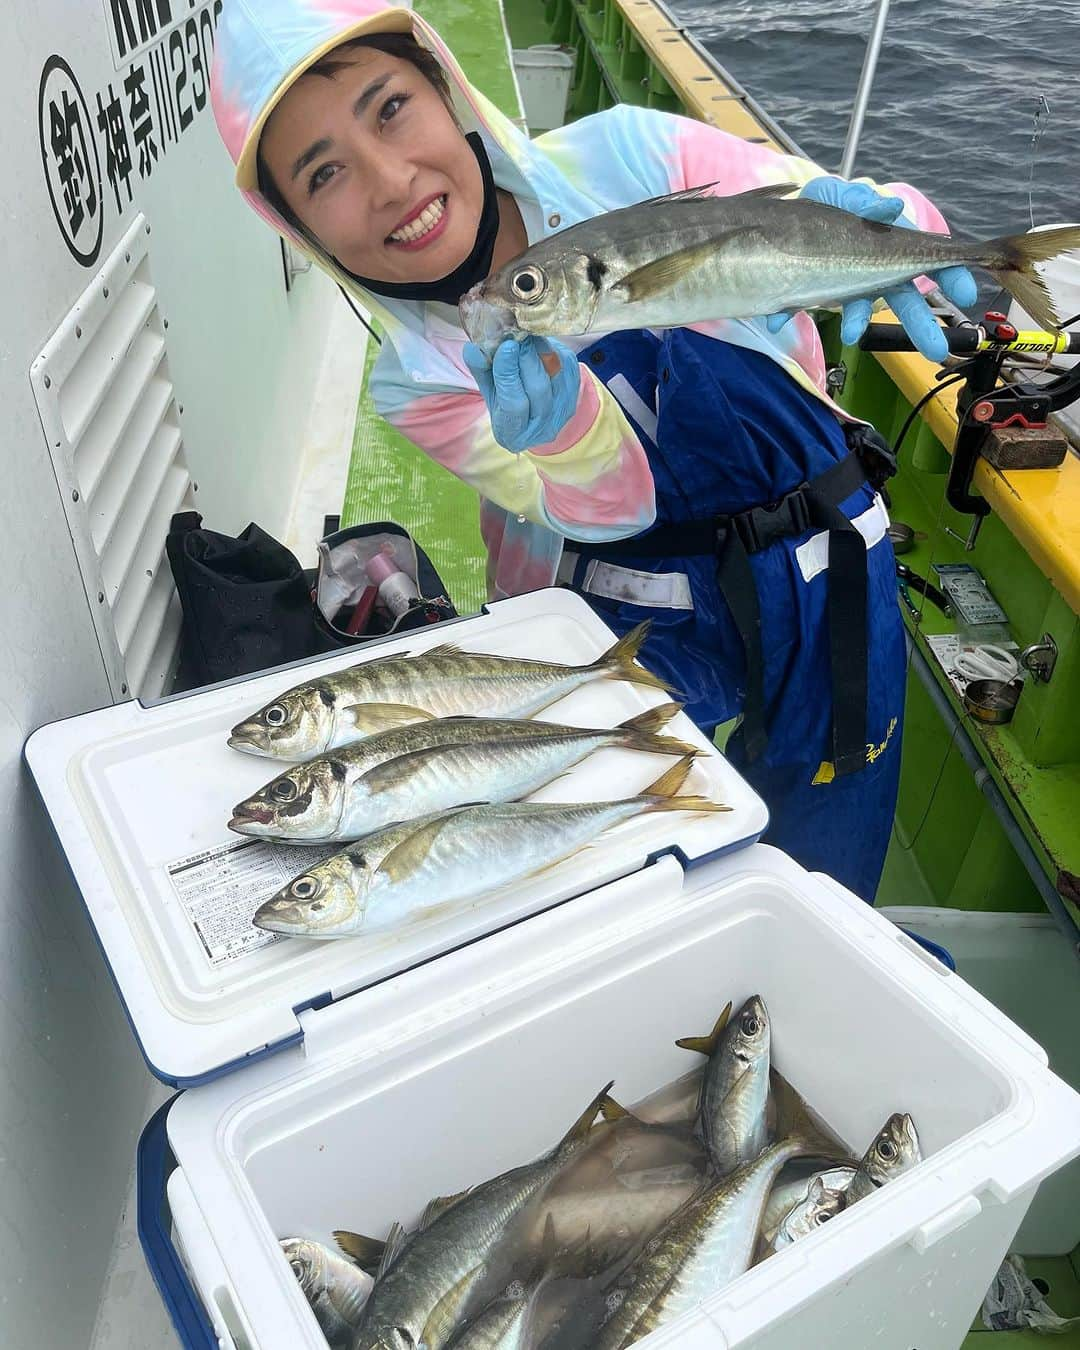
746, 531
799, 506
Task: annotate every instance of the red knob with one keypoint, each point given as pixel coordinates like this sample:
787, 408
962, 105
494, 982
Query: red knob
1005, 332
982, 412
995, 316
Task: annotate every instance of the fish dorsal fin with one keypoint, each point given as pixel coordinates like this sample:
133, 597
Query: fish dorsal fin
688, 194
404, 859
371, 718
438, 1206
366, 1252
395, 1245
767, 190
446, 1313
662, 273
707, 1045
445, 649
610, 1109
581, 1127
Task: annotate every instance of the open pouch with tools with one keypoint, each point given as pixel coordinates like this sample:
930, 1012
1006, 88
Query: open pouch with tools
344, 1084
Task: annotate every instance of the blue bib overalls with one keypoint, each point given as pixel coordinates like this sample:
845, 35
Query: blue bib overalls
725, 430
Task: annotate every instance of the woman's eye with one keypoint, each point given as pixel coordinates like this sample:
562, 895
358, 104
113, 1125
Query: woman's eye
393, 106
320, 177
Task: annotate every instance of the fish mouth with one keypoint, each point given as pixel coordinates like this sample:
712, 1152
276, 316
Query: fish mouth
249, 740
486, 323
273, 918
250, 813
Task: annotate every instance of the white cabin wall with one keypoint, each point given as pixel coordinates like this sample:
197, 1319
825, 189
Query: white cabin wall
243, 355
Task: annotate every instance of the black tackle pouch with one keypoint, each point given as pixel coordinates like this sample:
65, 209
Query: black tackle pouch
248, 605
246, 602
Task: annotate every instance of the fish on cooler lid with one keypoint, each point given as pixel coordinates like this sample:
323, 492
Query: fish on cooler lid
393, 691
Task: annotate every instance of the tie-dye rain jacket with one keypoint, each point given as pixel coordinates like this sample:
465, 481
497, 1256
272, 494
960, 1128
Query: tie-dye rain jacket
593, 481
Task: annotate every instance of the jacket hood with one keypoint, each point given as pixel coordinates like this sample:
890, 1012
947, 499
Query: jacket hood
264, 46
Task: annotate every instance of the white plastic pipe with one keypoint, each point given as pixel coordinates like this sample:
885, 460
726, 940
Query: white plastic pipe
862, 94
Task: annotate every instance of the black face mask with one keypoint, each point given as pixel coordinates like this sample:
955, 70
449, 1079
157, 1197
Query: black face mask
451, 288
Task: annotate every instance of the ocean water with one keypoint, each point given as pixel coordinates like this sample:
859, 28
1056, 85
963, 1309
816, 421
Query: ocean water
953, 108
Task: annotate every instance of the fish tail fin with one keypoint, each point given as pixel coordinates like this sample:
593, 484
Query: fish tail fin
1012, 259
663, 794
797, 1126
581, 1127
643, 732
620, 661
706, 1045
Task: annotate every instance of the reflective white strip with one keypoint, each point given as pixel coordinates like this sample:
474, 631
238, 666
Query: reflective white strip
671, 590
632, 402
654, 590
657, 590
813, 556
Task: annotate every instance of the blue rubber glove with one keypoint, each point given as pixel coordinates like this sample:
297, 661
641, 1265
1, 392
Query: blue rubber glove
528, 406
906, 302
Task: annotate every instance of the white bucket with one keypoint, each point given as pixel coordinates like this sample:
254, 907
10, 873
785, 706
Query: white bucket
544, 74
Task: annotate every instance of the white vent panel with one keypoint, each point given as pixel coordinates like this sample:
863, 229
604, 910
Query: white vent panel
110, 414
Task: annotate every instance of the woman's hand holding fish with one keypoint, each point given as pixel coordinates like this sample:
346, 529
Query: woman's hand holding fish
528, 406
905, 301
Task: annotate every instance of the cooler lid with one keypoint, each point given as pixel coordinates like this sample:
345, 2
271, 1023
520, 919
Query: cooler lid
139, 796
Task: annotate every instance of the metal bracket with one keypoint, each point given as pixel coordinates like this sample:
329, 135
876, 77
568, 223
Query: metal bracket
1040, 658
295, 264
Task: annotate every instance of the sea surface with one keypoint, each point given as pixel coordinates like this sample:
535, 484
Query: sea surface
976, 104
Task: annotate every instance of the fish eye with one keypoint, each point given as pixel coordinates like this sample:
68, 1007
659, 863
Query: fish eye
275, 715
528, 283
284, 790
886, 1149
303, 888
750, 1025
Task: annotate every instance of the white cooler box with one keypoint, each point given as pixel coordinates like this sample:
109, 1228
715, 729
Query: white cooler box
416, 1064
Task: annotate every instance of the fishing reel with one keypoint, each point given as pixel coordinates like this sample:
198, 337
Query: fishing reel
1006, 423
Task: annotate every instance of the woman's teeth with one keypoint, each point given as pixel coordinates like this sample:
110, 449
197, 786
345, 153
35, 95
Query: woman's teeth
420, 225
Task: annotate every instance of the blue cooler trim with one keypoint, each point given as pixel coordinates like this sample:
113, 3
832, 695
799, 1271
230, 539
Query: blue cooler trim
689, 864
934, 948
154, 1163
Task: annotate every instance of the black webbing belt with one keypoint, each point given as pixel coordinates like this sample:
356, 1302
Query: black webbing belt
733, 539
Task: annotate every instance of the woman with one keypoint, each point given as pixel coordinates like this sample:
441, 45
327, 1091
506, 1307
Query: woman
650, 455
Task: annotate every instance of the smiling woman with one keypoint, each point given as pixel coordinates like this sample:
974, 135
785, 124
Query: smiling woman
357, 136
365, 154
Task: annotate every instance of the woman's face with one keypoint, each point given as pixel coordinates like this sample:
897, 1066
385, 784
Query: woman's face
374, 165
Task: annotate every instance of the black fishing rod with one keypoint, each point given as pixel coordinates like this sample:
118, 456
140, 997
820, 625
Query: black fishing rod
985, 404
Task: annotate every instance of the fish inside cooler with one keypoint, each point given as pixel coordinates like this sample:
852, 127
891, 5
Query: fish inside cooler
578, 1248
478, 1064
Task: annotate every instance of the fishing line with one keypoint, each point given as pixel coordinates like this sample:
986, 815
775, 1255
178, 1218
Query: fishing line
906, 848
349, 302
1038, 126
